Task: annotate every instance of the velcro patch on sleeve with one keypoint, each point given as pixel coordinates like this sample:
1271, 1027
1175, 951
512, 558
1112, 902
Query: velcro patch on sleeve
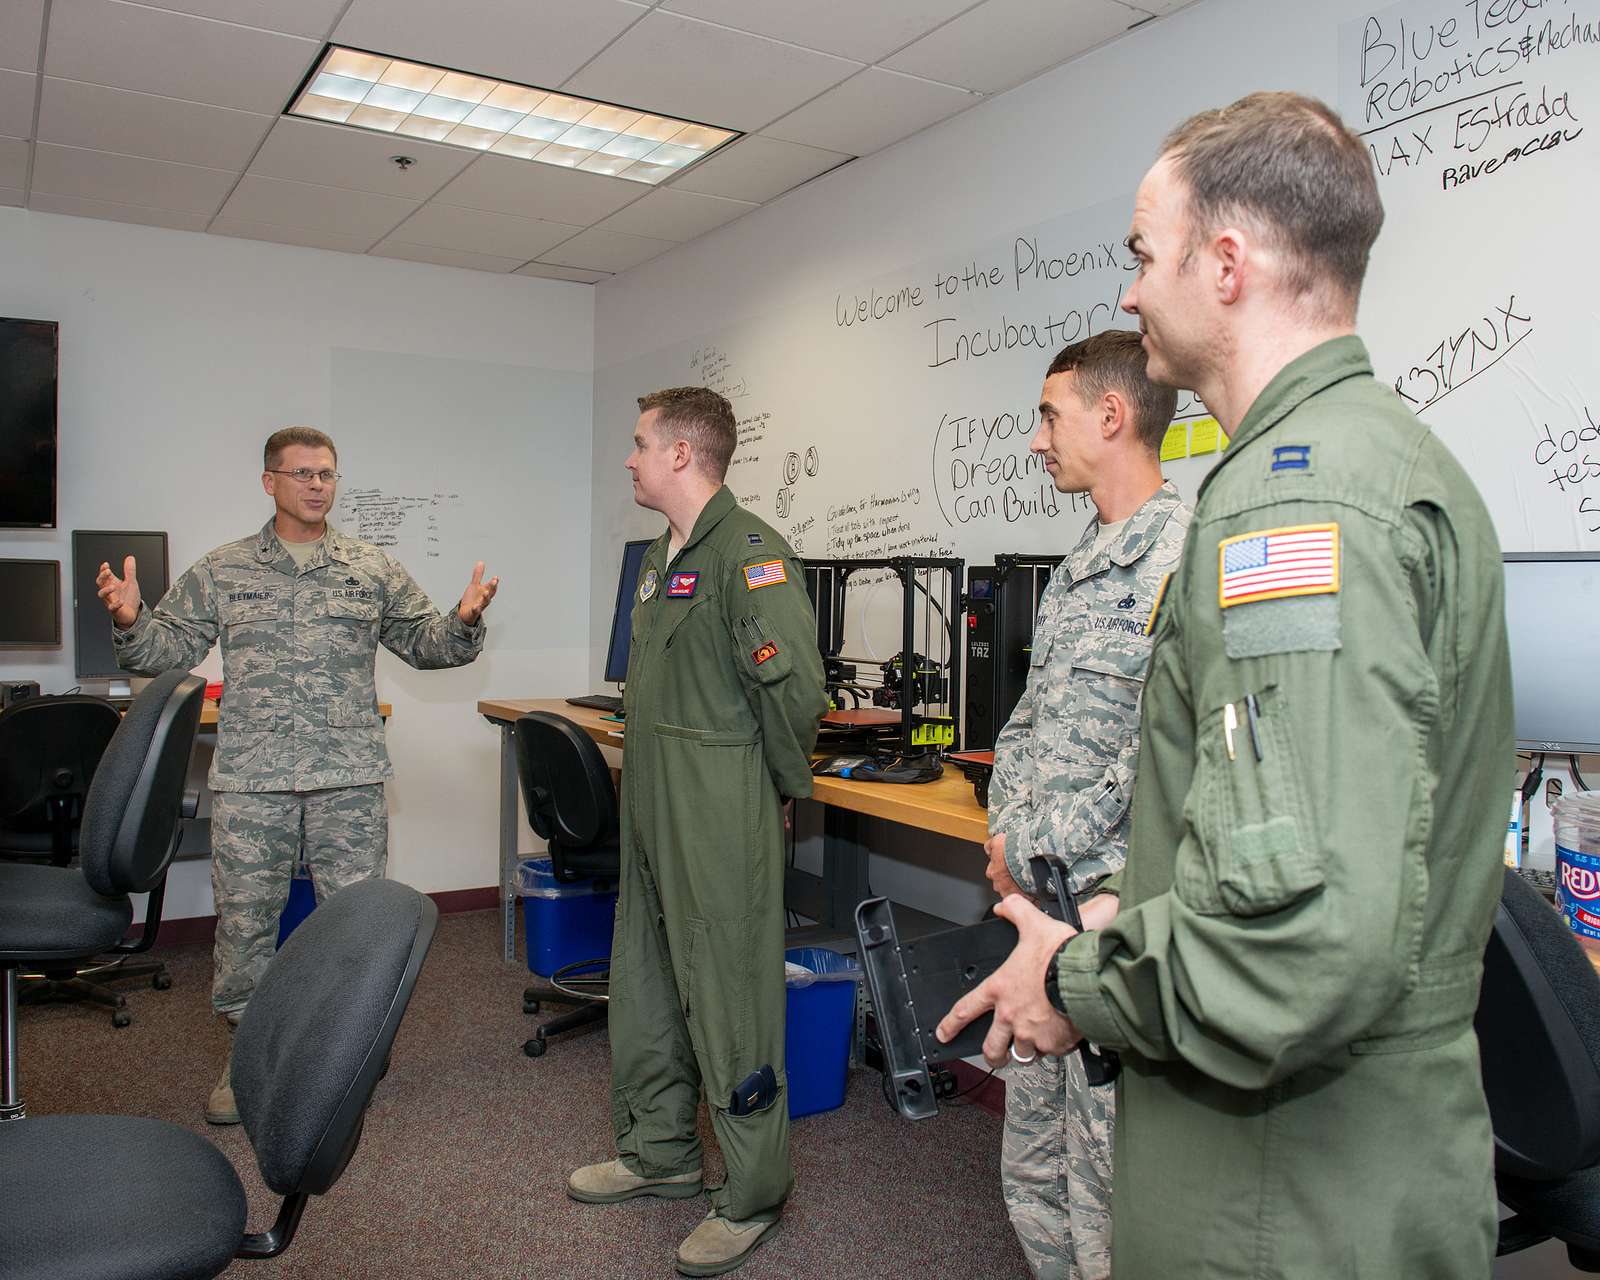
1276, 564
766, 574
766, 651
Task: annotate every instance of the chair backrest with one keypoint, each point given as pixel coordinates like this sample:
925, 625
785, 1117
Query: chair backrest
130, 818
49, 750
316, 1035
567, 788
1538, 1025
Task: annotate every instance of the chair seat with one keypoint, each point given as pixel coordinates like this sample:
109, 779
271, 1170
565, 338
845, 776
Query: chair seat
1568, 1208
51, 913
115, 1198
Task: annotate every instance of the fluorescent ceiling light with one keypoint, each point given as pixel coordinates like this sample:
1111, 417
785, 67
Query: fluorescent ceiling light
391, 95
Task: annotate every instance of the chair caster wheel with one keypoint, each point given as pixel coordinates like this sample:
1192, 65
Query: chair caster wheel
530, 1006
530, 993
535, 1048
161, 981
121, 1018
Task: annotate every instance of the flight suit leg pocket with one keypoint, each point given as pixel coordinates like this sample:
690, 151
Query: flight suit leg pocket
1253, 849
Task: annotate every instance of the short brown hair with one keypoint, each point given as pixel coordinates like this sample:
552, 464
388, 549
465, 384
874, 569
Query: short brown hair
1115, 361
278, 441
700, 416
1288, 164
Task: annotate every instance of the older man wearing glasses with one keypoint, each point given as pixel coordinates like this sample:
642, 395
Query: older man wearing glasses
300, 608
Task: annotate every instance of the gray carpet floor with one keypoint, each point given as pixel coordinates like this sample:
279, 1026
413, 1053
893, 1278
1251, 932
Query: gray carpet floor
468, 1143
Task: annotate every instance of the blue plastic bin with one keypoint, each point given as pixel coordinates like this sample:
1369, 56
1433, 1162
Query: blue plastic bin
566, 923
302, 901
818, 1023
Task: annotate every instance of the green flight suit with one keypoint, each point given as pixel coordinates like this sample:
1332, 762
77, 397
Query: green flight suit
1292, 977
723, 699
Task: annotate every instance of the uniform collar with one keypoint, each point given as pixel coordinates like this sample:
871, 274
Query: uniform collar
717, 506
270, 549
1303, 377
1137, 536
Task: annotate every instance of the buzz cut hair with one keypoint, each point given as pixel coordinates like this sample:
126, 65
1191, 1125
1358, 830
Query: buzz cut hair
700, 416
1115, 361
310, 437
1287, 165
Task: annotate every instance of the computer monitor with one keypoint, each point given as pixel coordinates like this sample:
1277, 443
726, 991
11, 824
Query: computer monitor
622, 616
96, 657
1552, 617
31, 590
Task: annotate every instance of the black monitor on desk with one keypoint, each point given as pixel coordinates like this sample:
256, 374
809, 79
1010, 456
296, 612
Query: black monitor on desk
1552, 612
30, 593
96, 656
622, 611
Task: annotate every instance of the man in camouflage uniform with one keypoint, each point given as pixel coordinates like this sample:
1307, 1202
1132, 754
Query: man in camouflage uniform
1065, 762
301, 609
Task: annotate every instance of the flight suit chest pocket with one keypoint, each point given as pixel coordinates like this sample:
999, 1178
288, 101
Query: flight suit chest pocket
1103, 688
673, 616
1254, 850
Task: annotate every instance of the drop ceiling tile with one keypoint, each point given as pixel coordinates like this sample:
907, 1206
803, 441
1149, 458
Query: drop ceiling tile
13, 162
306, 151
245, 229
475, 231
849, 28
675, 215
154, 184
11, 196
528, 189
1038, 35
539, 44
444, 257
128, 46
597, 250
295, 17
867, 113
1157, 7
144, 124
78, 207
550, 272
312, 207
683, 67
16, 104
757, 168
21, 25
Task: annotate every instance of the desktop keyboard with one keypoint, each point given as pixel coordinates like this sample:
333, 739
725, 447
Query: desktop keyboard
598, 702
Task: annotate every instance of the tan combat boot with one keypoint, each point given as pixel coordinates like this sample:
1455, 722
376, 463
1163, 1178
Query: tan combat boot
220, 1107
719, 1244
613, 1181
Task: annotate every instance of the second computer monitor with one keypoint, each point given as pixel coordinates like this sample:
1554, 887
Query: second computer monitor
91, 624
622, 617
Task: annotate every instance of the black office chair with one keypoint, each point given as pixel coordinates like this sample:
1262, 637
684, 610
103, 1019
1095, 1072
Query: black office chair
49, 748
1538, 1025
52, 916
122, 1198
572, 805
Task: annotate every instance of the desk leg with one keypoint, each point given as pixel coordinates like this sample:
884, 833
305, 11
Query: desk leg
508, 843
844, 867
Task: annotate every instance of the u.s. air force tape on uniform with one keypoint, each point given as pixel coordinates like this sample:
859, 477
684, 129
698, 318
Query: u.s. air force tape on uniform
1279, 590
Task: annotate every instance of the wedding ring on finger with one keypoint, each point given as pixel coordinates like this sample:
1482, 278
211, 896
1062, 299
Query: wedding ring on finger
1019, 1059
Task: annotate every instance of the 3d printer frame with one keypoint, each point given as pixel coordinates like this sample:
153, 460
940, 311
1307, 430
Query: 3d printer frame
920, 731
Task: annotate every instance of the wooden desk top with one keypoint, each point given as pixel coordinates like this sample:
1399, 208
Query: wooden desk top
946, 806
208, 713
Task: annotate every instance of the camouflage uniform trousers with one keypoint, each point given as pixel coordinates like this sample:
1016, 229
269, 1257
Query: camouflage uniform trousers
255, 839
1055, 1168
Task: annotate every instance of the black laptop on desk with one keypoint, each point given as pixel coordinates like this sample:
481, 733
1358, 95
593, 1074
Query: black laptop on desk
621, 630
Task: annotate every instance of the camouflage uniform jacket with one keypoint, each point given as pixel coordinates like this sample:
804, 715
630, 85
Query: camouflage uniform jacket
1065, 762
299, 711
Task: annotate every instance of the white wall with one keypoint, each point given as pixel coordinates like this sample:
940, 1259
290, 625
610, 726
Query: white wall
181, 352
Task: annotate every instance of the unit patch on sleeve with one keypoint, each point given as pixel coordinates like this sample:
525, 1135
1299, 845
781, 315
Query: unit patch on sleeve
680, 586
1275, 564
768, 650
647, 588
764, 575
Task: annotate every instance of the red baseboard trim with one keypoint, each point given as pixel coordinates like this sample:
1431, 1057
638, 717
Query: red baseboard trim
193, 929
990, 1095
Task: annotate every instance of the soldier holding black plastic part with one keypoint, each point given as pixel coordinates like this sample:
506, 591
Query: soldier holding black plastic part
300, 608
1064, 763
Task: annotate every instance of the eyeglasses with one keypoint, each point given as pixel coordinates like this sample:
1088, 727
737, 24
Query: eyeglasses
305, 475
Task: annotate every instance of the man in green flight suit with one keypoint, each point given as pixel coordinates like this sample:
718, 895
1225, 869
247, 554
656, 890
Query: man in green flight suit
724, 694
1326, 732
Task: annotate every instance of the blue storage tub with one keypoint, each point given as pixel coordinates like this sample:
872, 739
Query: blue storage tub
565, 923
818, 1023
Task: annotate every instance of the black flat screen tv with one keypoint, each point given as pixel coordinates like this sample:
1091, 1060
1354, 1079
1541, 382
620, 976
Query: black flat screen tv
28, 424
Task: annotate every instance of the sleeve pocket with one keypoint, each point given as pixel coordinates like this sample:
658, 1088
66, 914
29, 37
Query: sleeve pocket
1253, 850
764, 660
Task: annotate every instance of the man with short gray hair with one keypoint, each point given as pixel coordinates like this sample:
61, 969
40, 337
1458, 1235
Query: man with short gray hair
300, 608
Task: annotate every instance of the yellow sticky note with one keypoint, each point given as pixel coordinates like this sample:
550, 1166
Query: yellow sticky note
1175, 444
1223, 439
1206, 436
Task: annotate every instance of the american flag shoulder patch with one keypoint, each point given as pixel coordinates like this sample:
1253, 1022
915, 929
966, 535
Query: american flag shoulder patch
765, 574
1274, 564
